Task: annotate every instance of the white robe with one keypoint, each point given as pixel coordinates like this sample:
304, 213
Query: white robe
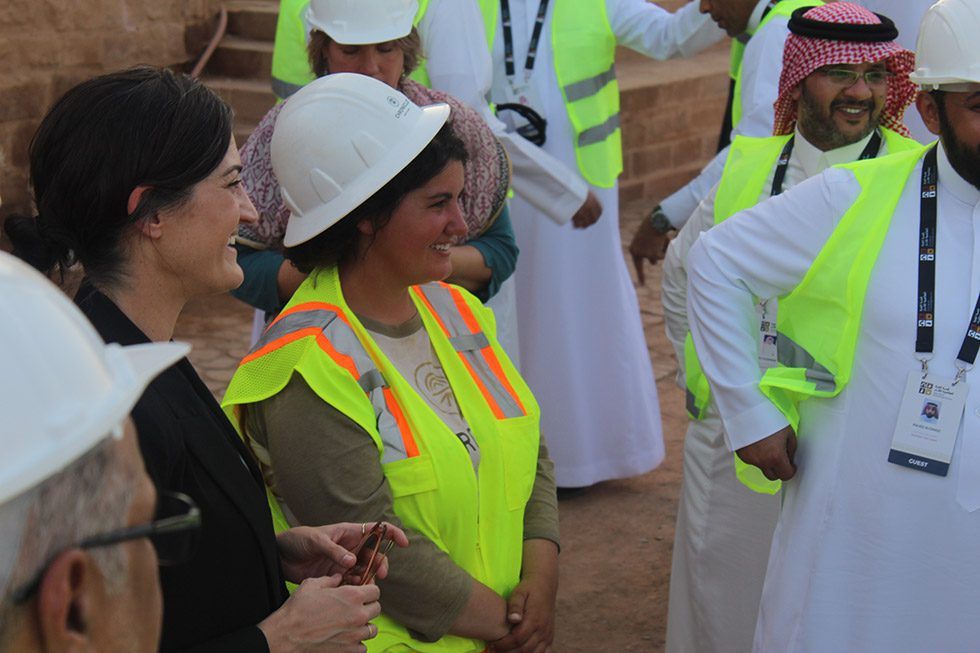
724, 530
867, 555
583, 351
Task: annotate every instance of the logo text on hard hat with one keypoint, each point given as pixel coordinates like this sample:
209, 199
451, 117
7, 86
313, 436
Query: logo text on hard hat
403, 109
392, 101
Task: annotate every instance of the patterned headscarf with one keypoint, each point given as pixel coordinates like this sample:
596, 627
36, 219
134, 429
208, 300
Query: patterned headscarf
843, 33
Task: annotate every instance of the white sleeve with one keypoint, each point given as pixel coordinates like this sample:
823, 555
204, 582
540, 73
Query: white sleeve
673, 284
456, 51
762, 252
762, 63
658, 33
679, 206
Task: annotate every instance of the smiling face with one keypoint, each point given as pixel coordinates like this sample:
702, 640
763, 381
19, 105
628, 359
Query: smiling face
831, 114
196, 242
413, 246
383, 61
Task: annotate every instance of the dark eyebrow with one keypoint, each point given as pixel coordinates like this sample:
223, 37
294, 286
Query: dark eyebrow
441, 196
972, 96
235, 168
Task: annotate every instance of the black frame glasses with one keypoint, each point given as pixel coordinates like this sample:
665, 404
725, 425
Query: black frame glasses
185, 524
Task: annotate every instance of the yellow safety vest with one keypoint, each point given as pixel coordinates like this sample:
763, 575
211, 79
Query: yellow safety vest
781, 8
290, 60
477, 519
584, 50
747, 168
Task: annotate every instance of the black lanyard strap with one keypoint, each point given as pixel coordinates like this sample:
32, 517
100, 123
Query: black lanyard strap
870, 151
926, 318
532, 48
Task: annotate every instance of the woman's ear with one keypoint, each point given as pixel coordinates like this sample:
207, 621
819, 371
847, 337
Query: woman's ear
148, 226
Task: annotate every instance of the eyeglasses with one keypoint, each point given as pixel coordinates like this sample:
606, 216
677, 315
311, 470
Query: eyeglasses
369, 553
847, 78
174, 534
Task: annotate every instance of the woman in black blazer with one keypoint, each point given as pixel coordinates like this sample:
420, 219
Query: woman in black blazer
136, 176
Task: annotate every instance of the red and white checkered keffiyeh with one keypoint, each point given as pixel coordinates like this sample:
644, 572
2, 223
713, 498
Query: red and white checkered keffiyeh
803, 55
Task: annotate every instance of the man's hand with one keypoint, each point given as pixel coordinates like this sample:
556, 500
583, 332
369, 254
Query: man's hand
647, 244
773, 455
588, 213
308, 552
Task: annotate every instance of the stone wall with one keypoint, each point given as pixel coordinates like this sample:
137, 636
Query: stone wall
47, 46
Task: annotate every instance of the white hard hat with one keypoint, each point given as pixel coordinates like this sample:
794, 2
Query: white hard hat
947, 50
340, 139
62, 389
359, 22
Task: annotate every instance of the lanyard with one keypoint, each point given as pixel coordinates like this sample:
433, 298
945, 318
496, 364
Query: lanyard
926, 300
870, 151
532, 48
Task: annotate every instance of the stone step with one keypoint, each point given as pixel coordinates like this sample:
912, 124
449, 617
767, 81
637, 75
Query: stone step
251, 98
242, 131
253, 19
240, 57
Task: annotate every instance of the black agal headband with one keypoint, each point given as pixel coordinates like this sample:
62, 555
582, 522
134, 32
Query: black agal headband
818, 29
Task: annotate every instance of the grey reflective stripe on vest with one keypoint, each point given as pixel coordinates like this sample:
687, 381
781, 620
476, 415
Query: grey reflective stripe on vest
599, 133
284, 89
589, 87
345, 341
470, 347
692, 405
791, 354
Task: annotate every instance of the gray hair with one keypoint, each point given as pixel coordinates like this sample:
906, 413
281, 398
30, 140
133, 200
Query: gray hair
89, 497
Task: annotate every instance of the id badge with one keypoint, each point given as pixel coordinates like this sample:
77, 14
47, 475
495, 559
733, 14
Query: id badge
766, 312
928, 421
521, 92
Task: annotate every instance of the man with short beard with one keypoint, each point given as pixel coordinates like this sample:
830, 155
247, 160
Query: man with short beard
843, 91
877, 268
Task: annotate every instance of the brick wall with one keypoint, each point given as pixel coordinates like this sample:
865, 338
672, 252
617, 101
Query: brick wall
47, 46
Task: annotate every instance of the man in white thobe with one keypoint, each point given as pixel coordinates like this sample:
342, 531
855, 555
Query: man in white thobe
868, 555
724, 530
583, 351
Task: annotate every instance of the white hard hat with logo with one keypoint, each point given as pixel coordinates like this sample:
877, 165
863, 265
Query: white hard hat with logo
340, 139
360, 22
62, 389
947, 51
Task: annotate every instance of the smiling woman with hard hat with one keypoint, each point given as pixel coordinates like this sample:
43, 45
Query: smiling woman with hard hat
377, 39
379, 390
136, 177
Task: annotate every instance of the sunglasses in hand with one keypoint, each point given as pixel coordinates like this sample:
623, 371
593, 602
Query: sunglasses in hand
371, 552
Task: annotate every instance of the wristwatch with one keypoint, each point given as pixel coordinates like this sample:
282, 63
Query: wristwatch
659, 221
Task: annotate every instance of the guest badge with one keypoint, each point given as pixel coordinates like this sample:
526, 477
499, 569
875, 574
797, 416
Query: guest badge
928, 421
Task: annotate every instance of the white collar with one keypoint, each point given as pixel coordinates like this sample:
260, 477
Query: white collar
814, 160
951, 180
756, 16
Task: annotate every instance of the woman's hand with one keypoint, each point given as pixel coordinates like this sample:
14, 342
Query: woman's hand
308, 552
322, 616
531, 606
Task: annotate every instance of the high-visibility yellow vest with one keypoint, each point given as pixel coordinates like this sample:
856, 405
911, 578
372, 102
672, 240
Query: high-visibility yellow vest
583, 47
477, 519
781, 8
749, 163
290, 60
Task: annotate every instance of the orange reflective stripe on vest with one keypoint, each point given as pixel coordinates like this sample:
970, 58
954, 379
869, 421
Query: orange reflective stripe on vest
333, 334
457, 321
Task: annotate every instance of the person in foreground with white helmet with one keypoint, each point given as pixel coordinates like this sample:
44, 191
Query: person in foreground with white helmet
377, 38
136, 176
877, 274
77, 570
381, 391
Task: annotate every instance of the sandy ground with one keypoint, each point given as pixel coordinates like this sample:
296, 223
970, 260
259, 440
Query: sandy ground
616, 537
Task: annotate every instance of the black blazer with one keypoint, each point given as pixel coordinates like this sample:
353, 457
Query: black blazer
214, 601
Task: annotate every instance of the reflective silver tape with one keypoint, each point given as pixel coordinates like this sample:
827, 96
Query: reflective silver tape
284, 89
589, 87
791, 354
599, 133
470, 342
